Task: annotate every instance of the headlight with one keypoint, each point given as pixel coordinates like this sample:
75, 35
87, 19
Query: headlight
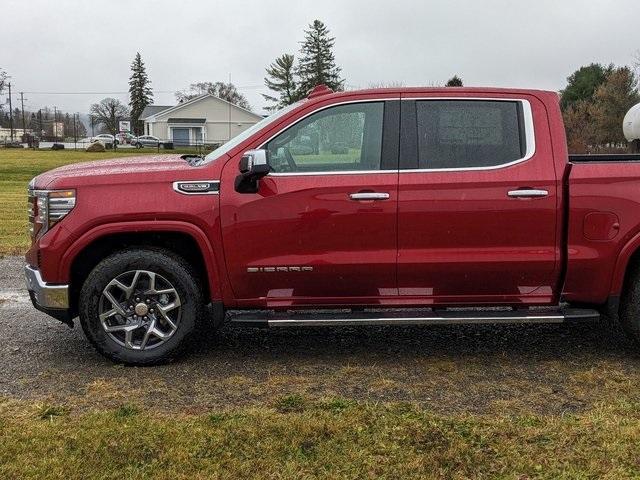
47, 207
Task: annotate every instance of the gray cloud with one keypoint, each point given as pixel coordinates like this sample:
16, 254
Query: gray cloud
77, 46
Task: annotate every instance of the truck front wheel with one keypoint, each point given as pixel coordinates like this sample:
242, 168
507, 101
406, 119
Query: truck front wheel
140, 306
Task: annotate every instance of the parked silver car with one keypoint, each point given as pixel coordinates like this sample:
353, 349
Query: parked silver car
145, 141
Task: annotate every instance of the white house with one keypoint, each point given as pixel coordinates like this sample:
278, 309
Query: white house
205, 118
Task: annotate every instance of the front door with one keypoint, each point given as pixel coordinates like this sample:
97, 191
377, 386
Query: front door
478, 202
180, 136
322, 227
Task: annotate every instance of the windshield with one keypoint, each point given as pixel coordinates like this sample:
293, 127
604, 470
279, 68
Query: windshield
238, 139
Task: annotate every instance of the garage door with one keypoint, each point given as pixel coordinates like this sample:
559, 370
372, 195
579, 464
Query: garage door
181, 136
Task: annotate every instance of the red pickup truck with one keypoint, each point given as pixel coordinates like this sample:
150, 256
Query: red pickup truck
386, 206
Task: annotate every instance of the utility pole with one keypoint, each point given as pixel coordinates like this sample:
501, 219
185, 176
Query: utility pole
229, 109
40, 126
75, 133
10, 113
55, 124
24, 127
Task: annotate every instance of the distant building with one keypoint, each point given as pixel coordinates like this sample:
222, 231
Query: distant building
203, 119
5, 134
57, 129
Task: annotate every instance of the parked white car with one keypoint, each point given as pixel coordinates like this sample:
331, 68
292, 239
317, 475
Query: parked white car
105, 138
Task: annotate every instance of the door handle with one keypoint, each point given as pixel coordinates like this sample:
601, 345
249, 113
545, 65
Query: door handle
369, 196
528, 193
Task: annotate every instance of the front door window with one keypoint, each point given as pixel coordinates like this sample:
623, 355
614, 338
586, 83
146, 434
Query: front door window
341, 138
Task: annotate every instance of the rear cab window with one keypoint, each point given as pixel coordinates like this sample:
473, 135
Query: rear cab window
462, 134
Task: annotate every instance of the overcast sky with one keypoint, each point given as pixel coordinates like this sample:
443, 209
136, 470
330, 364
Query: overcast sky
87, 46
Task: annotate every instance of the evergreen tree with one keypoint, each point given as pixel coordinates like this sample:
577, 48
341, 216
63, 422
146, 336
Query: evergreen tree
317, 64
454, 81
280, 79
140, 94
582, 84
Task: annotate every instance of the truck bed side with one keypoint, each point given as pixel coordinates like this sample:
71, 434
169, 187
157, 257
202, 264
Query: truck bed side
603, 223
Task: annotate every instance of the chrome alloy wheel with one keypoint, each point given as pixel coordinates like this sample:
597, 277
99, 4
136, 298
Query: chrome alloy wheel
140, 309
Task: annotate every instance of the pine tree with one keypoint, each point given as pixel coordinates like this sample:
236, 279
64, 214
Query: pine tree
280, 79
140, 94
454, 81
317, 63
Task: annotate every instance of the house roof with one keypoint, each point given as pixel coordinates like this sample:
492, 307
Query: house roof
150, 110
202, 97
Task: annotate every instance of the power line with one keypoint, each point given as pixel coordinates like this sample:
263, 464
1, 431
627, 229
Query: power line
241, 87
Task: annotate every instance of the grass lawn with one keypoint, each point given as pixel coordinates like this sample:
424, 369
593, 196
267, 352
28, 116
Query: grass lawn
333, 439
17, 168
297, 437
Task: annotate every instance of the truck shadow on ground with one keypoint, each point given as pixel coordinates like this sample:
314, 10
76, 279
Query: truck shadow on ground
537, 341
483, 369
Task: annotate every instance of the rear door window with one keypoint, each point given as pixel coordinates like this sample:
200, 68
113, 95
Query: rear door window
463, 134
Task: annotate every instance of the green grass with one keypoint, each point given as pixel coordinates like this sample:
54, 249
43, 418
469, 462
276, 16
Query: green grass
17, 168
317, 440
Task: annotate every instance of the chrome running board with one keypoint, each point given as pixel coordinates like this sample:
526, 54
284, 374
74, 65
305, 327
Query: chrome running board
405, 317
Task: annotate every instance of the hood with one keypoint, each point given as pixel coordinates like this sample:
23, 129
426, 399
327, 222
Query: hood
121, 170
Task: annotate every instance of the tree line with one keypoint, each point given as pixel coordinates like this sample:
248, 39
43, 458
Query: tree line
593, 103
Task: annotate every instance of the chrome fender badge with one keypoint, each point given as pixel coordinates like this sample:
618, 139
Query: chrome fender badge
279, 269
197, 187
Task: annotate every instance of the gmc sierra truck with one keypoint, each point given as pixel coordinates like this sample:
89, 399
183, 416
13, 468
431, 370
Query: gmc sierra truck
387, 206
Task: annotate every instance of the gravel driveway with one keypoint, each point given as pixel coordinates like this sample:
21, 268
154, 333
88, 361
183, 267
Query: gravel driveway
481, 369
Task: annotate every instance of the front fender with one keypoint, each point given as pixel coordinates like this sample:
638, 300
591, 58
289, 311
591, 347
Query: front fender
208, 253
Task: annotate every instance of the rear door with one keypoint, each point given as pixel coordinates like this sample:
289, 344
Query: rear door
322, 227
478, 201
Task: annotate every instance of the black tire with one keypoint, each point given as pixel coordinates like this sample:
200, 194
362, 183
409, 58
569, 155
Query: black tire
629, 317
163, 262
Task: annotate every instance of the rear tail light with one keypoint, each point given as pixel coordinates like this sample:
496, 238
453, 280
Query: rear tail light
47, 207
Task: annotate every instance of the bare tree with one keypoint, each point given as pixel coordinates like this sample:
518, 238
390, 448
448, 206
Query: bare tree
108, 112
391, 84
3, 81
226, 91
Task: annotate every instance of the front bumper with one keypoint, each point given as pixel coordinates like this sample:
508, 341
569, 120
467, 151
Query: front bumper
50, 299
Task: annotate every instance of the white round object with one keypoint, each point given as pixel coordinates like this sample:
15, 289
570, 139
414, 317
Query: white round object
631, 124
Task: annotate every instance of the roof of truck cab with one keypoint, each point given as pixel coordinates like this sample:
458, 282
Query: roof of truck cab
465, 91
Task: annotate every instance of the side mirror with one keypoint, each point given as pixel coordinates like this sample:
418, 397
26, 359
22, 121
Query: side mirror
253, 165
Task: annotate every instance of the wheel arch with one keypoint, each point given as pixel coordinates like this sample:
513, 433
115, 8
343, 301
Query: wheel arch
185, 240
628, 257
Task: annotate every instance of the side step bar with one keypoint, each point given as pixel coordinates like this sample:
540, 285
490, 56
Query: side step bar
404, 317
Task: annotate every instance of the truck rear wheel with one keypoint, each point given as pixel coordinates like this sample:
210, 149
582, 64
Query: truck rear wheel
630, 305
140, 306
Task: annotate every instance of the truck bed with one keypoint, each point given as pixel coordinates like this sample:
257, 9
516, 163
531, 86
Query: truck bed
607, 157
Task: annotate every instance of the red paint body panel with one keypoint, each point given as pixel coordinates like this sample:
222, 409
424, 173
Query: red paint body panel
311, 221
596, 268
462, 239
442, 238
